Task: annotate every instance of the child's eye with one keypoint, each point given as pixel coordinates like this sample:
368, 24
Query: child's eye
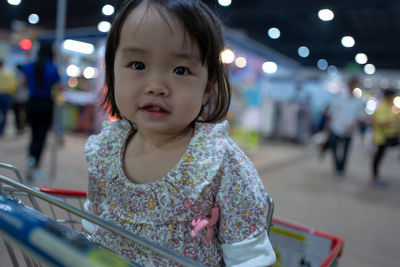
181, 71
137, 65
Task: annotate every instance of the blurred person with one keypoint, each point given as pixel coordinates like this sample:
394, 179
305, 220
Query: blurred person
322, 137
59, 98
41, 78
19, 101
8, 84
386, 130
344, 115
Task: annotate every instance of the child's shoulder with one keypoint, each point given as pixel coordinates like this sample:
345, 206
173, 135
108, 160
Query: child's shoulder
110, 130
216, 137
212, 130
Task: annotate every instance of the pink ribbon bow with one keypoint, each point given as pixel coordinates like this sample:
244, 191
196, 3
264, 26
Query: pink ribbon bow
202, 222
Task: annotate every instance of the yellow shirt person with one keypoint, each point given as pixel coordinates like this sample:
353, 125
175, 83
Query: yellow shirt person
8, 85
8, 81
386, 123
386, 126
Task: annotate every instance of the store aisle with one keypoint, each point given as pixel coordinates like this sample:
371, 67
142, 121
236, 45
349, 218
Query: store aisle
305, 191
302, 186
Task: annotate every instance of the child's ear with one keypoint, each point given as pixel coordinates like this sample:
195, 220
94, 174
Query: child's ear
209, 88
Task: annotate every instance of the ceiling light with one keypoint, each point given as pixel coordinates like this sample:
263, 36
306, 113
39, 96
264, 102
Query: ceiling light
269, 67
322, 64
14, 2
326, 14
303, 51
104, 26
369, 69
361, 58
33, 19
348, 41
227, 56
78, 46
274, 33
108, 10
225, 2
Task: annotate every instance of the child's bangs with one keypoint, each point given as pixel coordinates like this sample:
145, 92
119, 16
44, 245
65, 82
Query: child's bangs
195, 24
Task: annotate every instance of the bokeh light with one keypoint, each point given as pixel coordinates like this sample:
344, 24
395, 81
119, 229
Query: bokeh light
269, 67
33, 19
274, 33
303, 51
73, 71
396, 101
104, 26
348, 41
361, 58
227, 56
240, 62
225, 2
107, 10
14, 2
369, 69
326, 14
357, 92
322, 64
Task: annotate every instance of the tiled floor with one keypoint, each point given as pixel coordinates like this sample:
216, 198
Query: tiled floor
303, 188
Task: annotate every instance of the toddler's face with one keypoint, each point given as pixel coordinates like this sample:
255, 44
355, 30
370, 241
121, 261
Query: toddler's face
160, 82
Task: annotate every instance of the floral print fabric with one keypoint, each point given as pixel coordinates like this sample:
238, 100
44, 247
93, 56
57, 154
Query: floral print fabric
213, 172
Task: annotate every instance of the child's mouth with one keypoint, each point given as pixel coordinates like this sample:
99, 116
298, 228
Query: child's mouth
152, 108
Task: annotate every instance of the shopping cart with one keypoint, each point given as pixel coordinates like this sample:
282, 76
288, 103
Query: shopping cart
297, 245
40, 229
33, 218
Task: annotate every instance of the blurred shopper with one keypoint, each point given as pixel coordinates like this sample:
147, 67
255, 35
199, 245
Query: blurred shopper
19, 101
8, 85
59, 98
386, 130
344, 116
42, 78
322, 137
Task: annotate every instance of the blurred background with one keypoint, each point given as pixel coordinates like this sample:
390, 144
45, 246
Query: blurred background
288, 61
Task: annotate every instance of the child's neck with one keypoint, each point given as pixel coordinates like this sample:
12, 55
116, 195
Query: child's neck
147, 159
145, 143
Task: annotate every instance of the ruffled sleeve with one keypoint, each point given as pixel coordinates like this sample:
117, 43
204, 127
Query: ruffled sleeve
243, 207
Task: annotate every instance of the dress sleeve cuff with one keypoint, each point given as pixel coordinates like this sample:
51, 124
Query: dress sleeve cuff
256, 251
88, 226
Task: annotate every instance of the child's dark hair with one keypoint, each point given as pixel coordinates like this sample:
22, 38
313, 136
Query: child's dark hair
203, 27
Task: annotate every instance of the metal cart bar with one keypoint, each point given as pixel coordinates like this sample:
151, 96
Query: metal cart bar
98, 221
15, 188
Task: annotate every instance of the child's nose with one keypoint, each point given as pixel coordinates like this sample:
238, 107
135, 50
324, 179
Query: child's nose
157, 89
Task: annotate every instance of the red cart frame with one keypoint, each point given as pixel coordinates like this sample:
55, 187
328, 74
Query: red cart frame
332, 253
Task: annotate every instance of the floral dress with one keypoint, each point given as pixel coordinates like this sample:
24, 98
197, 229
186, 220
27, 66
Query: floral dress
213, 172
